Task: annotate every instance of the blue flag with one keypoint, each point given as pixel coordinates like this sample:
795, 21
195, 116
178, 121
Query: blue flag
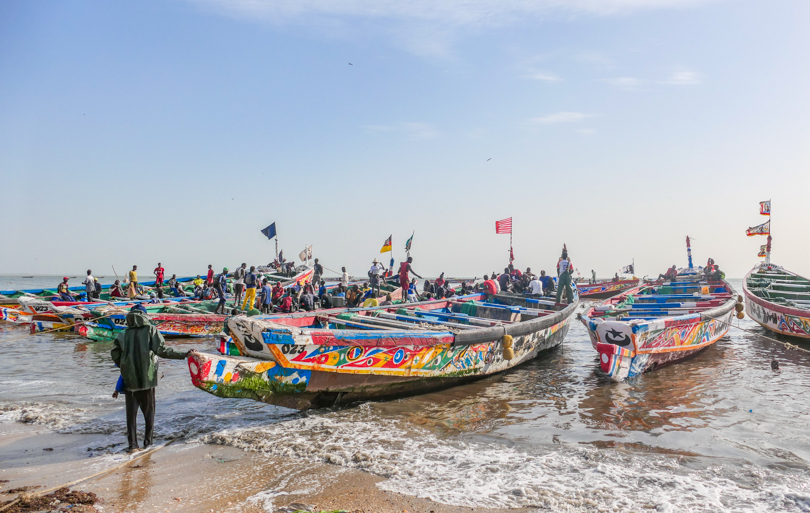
270, 231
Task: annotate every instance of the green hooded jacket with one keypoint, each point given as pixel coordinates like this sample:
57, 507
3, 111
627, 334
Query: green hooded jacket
136, 350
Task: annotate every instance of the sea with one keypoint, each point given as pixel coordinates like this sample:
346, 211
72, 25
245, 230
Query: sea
719, 432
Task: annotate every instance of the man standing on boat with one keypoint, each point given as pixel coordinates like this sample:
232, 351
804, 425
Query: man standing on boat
133, 278
344, 279
158, 272
564, 271
404, 269
375, 275
135, 352
250, 293
317, 272
238, 284
221, 286
89, 285
209, 280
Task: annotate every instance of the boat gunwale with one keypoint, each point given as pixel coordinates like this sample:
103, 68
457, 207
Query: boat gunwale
798, 312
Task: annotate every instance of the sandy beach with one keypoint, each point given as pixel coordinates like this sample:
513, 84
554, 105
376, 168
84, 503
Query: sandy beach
196, 478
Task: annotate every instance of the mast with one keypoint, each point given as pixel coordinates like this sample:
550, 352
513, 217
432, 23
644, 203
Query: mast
689, 251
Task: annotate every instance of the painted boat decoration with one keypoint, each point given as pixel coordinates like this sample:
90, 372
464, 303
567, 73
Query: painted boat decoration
778, 299
659, 323
605, 289
341, 356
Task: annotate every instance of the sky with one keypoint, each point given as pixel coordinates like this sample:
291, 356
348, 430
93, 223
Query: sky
175, 130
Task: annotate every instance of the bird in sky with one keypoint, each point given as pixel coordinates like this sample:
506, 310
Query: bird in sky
350, 64
490, 158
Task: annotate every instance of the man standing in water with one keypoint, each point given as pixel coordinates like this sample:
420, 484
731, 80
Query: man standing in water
135, 352
564, 271
404, 269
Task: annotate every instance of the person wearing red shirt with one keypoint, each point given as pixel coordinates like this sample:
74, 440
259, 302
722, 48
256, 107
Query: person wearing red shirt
286, 302
158, 272
210, 279
489, 287
404, 269
278, 291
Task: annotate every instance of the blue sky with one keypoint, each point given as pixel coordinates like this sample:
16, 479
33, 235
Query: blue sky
175, 130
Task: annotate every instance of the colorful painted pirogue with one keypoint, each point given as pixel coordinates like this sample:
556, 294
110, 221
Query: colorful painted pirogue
605, 289
659, 323
778, 299
340, 356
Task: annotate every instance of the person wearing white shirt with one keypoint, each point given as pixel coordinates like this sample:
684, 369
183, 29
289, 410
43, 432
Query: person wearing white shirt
345, 278
89, 285
536, 286
374, 275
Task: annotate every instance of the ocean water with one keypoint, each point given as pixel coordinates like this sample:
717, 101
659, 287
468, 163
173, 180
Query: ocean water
718, 432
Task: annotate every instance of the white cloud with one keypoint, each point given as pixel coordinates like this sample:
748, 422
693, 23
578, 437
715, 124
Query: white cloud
456, 12
542, 76
412, 130
683, 77
560, 117
628, 83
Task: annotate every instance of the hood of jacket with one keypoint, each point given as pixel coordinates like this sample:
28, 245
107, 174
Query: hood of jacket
137, 320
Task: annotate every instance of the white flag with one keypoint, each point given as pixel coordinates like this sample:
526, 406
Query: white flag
309, 252
303, 255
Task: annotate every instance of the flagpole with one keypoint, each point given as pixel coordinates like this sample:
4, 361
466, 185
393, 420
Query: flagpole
768, 242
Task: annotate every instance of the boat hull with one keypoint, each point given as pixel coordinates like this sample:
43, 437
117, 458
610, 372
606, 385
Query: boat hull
300, 373
654, 344
604, 290
793, 322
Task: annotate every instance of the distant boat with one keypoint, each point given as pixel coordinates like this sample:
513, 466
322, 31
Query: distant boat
778, 299
27, 276
605, 289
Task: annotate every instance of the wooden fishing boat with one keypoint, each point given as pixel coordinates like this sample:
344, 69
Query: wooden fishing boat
659, 323
605, 289
778, 299
341, 356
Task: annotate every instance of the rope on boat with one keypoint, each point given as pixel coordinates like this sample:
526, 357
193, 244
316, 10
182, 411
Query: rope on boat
787, 345
97, 474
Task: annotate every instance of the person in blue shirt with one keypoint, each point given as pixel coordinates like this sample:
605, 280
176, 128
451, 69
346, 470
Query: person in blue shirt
266, 295
548, 283
221, 286
322, 289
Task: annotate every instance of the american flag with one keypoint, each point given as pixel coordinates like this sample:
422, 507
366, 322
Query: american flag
504, 225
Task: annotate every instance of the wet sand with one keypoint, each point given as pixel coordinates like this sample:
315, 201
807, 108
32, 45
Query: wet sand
195, 478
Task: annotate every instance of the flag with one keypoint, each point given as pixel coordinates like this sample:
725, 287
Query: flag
765, 208
763, 250
408, 244
628, 269
270, 231
503, 226
306, 254
387, 245
763, 229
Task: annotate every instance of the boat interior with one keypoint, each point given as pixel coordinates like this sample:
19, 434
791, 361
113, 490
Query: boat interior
668, 299
780, 287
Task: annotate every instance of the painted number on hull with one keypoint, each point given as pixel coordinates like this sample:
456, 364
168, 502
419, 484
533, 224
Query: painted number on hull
292, 349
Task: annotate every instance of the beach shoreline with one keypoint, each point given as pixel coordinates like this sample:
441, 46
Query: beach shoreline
194, 477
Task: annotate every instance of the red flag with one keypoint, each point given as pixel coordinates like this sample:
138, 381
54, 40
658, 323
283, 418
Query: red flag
504, 225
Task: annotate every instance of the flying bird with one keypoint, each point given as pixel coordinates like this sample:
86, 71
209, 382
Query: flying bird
350, 64
490, 158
